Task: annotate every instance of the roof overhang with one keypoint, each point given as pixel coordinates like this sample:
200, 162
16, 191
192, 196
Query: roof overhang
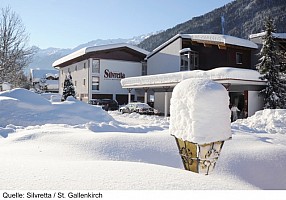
261, 34
224, 75
209, 39
173, 84
240, 82
87, 50
220, 39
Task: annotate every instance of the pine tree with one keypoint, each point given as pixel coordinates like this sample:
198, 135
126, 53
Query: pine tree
270, 69
68, 88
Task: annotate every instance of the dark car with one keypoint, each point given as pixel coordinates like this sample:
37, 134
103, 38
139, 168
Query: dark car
106, 104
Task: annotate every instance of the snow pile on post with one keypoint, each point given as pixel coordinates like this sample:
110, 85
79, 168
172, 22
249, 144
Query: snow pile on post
199, 111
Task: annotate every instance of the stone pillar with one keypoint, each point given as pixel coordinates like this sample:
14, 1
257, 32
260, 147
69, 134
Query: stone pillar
146, 94
129, 94
166, 88
166, 105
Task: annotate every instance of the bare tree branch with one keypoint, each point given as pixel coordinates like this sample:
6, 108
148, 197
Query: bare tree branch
15, 55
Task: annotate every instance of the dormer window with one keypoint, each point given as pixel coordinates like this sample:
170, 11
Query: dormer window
189, 59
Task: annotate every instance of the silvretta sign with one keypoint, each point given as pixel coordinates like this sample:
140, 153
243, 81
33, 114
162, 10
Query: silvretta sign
113, 75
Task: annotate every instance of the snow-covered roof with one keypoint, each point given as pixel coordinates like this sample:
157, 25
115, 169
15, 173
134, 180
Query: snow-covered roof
171, 79
276, 35
86, 50
185, 50
52, 84
217, 38
226, 39
280, 35
52, 75
37, 74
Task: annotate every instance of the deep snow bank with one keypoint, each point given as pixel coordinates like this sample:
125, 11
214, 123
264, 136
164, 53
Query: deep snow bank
64, 157
22, 108
263, 121
58, 152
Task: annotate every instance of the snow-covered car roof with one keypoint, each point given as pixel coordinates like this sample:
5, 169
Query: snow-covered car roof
142, 105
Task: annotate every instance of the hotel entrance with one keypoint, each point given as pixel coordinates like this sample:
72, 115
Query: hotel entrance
240, 100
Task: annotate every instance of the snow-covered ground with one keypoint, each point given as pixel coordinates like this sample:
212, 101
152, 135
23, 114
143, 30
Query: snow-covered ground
73, 145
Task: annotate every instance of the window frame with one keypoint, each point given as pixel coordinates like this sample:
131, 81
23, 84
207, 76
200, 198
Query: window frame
144, 69
94, 69
95, 83
239, 58
191, 57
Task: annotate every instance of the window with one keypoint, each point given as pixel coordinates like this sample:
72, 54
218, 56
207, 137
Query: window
238, 58
84, 65
69, 71
95, 83
75, 68
184, 63
95, 66
83, 96
144, 68
189, 60
84, 81
74, 83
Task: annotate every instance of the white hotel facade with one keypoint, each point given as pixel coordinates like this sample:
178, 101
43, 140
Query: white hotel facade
128, 73
97, 71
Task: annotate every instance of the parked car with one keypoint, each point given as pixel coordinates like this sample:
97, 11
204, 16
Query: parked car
141, 108
106, 104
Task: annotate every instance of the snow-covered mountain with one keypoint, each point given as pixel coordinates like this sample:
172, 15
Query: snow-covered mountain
44, 58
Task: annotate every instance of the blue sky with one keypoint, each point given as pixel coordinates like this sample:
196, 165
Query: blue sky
69, 23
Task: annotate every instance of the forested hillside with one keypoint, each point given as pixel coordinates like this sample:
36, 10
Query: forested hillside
241, 18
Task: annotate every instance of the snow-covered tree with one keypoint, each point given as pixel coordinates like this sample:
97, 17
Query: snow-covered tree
41, 86
271, 70
68, 88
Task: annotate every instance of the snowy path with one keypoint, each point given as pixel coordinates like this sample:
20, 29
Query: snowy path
131, 120
135, 119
